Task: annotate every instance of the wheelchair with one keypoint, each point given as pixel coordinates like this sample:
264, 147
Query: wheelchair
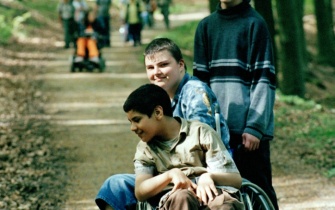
86, 64
251, 195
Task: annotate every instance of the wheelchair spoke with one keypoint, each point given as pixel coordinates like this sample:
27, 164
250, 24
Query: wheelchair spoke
254, 198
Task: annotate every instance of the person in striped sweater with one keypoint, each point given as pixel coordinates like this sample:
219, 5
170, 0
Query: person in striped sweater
233, 54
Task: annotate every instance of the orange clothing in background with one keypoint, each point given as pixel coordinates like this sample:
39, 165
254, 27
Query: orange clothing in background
91, 44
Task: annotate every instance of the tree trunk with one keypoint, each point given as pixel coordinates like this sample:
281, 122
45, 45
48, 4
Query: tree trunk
212, 5
325, 33
299, 5
265, 9
292, 48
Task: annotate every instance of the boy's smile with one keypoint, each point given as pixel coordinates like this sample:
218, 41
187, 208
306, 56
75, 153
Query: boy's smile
142, 125
163, 70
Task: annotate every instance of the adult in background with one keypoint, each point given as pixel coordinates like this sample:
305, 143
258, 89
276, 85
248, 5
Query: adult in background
148, 16
102, 10
164, 6
65, 11
233, 54
133, 19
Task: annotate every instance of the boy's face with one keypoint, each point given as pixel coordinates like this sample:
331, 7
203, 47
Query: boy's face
91, 17
163, 70
142, 125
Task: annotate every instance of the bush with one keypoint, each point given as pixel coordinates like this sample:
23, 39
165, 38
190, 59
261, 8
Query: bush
5, 29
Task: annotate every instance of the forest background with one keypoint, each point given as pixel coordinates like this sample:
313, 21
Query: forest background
32, 169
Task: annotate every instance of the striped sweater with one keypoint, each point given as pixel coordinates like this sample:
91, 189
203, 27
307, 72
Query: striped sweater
233, 54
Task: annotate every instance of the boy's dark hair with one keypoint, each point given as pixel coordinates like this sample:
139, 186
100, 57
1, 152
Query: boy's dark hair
145, 98
160, 44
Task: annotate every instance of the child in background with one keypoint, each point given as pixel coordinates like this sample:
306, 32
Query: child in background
89, 29
81, 8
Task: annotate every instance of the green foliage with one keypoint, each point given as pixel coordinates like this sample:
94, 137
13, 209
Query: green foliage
307, 129
297, 101
17, 20
11, 21
184, 35
188, 7
184, 38
18, 29
46, 9
5, 29
308, 7
331, 173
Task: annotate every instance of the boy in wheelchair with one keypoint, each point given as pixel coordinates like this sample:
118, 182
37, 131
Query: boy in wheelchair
88, 42
178, 163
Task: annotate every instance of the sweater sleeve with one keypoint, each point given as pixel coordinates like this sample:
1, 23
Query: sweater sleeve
262, 92
201, 60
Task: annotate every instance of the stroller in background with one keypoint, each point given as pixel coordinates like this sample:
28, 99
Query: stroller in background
86, 63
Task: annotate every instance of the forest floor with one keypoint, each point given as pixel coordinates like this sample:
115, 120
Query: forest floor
90, 133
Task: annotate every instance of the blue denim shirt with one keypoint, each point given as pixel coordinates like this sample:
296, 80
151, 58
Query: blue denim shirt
194, 100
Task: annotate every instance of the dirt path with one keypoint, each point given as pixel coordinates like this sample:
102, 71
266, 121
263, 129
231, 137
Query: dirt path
86, 109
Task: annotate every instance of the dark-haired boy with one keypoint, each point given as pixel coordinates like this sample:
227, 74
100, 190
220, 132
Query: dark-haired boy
178, 160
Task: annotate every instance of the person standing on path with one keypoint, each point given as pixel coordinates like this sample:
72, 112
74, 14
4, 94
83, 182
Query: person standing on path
134, 20
233, 54
190, 99
164, 6
65, 11
102, 10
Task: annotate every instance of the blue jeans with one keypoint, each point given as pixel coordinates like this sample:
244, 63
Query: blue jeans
118, 192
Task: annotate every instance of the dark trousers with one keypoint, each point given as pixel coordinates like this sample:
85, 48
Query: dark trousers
106, 30
165, 12
134, 30
255, 166
69, 29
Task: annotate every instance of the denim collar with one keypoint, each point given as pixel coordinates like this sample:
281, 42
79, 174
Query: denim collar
175, 99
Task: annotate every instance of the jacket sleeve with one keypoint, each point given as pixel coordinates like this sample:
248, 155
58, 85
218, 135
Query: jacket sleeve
198, 103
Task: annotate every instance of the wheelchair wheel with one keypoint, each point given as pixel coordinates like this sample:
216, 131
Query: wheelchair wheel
254, 198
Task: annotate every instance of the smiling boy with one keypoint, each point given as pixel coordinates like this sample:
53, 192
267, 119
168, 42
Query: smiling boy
178, 160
